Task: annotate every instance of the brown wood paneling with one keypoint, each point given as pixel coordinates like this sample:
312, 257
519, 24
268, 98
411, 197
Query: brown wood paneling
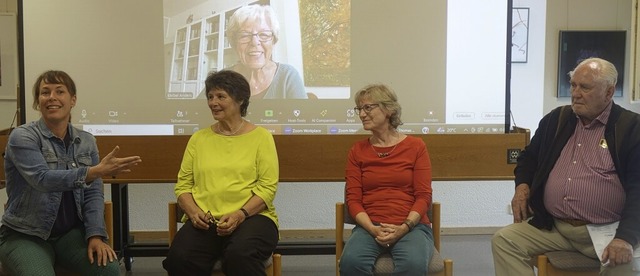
323, 157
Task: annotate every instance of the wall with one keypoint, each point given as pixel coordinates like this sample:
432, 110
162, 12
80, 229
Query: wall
465, 204
7, 107
584, 15
527, 78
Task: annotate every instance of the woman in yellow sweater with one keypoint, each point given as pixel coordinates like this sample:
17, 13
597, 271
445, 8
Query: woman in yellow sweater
226, 185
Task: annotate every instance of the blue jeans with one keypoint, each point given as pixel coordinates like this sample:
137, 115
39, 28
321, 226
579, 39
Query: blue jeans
22, 254
411, 254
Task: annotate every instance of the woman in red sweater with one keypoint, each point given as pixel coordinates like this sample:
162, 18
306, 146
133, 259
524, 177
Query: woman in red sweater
388, 191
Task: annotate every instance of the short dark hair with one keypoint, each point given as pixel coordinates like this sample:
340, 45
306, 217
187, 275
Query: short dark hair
52, 77
234, 84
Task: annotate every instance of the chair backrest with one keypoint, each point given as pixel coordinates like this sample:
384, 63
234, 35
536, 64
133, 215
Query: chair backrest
108, 220
175, 216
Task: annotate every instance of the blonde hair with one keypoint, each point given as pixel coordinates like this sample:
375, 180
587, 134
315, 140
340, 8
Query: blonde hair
385, 97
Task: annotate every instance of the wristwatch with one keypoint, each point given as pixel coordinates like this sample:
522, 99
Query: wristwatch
246, 214
409, 223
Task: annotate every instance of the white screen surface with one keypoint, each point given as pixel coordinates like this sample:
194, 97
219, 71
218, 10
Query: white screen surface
445, 60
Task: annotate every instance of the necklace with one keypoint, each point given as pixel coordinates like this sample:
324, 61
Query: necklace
261, 79
383, 154
232, 133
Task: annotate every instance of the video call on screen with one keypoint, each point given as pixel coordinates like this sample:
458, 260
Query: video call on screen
448, 72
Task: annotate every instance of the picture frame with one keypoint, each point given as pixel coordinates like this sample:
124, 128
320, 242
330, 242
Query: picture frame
8, 57
576, 46
519, 35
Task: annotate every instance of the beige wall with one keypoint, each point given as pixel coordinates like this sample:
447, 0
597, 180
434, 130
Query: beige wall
459, 199
7, 107
584, 15
8, 6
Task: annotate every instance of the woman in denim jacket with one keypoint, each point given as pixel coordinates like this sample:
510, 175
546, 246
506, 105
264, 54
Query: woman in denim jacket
55, 212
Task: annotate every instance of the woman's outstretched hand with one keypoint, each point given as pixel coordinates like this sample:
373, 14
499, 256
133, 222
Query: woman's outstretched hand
113, 165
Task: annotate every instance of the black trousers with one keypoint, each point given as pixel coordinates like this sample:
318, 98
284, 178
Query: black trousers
194, 251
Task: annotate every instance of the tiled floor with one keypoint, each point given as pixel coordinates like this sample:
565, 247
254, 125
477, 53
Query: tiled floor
471, 255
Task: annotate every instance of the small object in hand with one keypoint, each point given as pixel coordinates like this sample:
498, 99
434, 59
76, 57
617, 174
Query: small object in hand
211, 219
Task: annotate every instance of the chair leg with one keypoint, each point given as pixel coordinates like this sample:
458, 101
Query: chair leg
448, 267
277, 264
542, 262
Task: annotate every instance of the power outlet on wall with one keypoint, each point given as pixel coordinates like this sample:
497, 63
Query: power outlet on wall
512, 155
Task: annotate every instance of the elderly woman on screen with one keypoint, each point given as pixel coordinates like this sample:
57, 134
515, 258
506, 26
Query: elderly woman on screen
253, 32
226, 186
388, 191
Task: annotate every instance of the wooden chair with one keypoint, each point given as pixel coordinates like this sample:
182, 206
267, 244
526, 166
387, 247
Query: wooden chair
384, 263
108, 221
273, 266
566, 263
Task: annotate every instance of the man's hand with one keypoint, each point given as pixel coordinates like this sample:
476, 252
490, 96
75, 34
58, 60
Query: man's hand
618, 252
519, 203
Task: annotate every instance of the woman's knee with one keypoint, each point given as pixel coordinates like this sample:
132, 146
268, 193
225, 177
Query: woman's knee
351, 265
411, 267
22, 257
175, 260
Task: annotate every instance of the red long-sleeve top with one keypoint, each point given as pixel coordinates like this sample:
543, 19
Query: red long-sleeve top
388, 188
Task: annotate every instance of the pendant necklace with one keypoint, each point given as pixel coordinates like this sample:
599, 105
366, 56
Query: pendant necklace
232, 133
383, 154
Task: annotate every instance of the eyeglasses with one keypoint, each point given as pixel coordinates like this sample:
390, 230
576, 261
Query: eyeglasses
264, 36
210, 218
367, 108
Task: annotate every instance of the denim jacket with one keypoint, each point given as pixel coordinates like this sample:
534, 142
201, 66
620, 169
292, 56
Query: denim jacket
39, 168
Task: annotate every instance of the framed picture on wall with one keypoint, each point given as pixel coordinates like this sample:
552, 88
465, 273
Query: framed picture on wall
519, 35
576, 46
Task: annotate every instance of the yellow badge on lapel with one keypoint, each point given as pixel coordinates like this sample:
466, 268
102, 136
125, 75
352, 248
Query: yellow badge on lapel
603, 143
